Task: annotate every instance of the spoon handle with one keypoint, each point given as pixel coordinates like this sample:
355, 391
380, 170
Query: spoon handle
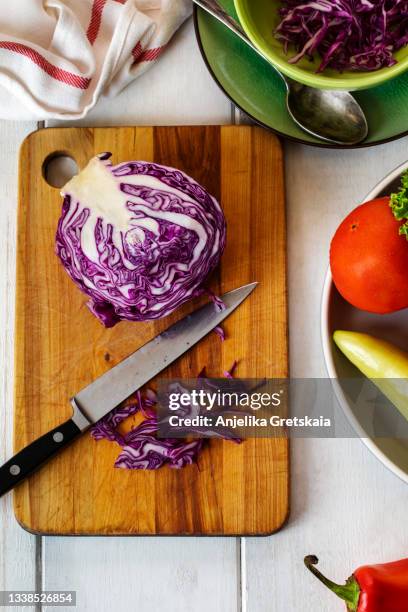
217, 11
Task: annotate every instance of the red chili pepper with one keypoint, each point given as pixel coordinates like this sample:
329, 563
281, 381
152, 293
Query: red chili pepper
372, 588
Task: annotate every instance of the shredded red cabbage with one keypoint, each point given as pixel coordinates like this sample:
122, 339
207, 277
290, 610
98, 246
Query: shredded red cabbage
220, 332
218, 303
230, 373
219, 307
346, 34
139, 239
141, 449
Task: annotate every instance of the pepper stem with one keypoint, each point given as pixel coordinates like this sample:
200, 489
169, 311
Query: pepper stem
349, 592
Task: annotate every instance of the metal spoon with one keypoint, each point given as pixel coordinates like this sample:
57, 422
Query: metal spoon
334, 116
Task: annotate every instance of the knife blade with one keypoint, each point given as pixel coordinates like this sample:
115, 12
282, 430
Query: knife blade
117, 384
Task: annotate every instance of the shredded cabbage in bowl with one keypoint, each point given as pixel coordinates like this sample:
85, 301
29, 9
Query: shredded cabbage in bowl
346, 34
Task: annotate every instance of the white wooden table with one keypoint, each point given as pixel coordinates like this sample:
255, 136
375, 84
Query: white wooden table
346, 507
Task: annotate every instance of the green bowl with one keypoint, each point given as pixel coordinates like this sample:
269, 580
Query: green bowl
259, 19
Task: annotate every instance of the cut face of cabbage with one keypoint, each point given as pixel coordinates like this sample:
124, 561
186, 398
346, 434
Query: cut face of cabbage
138, 238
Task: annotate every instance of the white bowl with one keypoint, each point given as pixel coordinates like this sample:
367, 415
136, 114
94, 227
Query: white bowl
336, 313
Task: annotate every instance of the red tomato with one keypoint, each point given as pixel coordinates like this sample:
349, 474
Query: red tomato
369, 259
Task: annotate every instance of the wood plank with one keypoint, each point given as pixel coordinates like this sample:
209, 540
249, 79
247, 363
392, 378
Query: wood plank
145, 574
346, 507
115, 563
159, 97
95, 498
17, 548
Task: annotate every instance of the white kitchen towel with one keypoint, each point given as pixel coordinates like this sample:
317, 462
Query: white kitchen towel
57, 57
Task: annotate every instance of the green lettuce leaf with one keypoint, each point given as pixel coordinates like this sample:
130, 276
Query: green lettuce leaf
399, 204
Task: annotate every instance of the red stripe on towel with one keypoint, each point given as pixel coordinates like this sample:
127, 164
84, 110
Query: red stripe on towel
59, 74
96, 18
146, 55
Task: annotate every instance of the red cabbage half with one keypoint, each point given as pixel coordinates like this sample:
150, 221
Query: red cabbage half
138, 238
346, 34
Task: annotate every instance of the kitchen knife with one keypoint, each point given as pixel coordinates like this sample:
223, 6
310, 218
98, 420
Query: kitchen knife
118, 383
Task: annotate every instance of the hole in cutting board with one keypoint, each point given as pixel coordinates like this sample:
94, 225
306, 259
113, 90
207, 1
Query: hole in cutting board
58, 169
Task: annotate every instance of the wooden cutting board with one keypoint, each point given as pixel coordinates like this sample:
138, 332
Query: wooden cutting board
61, 347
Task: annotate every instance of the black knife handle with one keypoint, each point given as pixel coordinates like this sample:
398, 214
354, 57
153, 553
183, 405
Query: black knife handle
30, 458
